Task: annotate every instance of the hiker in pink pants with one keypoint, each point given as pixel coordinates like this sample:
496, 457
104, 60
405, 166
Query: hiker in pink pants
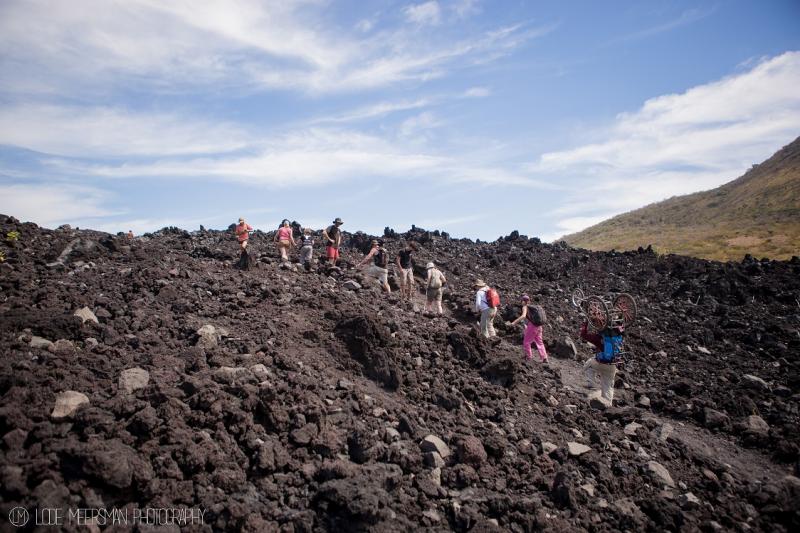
533, 333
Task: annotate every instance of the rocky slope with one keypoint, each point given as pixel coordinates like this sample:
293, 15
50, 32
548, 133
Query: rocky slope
279, 400
756, 214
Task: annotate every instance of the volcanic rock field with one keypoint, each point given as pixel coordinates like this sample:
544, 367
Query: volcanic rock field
153, 373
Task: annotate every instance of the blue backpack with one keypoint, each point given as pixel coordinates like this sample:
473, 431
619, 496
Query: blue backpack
612, 349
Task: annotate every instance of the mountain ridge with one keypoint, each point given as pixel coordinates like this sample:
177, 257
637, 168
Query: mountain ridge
756, 213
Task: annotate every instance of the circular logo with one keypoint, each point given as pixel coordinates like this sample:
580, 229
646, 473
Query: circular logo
18, 516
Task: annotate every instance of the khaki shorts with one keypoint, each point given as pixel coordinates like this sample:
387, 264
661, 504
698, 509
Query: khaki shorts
381, 274
434, 295
406, 276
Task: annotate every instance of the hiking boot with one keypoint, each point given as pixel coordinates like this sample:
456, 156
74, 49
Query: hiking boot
597, 403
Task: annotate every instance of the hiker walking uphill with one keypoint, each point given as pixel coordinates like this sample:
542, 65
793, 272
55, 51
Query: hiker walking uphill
434, 288
487, 300
242, 232
405, 270
307, 249
535, 317
603, 363
380, 263
285, 240
333, 240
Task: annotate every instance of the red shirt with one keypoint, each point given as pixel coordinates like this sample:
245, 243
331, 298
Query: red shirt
241, 231
593, 338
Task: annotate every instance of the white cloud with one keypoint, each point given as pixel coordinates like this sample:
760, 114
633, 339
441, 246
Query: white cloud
682, 143
687, 17
92, 46
375, 110
314, 156
465, 8
52, 205
418, 124
427, 13
108, 132
477, 92
365, 25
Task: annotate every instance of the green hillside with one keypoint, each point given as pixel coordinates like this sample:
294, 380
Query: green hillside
757, 213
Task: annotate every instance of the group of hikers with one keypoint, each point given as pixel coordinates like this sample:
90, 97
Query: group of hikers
487, 301
376, 260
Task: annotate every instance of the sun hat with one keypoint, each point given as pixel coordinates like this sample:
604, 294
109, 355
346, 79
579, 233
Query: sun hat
429, 265
479, 283
338, 221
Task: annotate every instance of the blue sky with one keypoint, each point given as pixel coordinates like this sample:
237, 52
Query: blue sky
475, 117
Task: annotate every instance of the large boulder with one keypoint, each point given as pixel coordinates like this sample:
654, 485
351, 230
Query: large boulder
563, 348
62, 347
754, 382
470, 450
576, 449
207, 336
86, 315
67, 403
133, 379
660, 474
715, 419
432, 443
40, 342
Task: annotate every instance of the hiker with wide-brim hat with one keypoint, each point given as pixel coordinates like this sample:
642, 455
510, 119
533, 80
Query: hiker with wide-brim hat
434, 288
482, 306
333, 240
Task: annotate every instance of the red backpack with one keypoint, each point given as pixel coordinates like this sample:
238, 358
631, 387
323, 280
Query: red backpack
492, 298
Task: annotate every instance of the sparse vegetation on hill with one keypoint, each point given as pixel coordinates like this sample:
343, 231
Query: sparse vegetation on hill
757, 214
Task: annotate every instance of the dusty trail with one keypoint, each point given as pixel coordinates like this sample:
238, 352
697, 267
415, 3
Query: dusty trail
747, 463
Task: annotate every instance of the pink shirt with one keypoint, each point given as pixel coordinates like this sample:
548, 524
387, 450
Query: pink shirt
241, 231
284, 234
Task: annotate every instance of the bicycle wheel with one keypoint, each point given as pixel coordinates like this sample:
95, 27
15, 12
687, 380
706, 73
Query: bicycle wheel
578, 297
626, 305
597, 313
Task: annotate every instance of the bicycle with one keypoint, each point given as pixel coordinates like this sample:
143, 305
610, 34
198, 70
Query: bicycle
608, 311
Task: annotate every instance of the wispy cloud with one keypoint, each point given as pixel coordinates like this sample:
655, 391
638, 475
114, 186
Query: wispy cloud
681, 143
465, 8
238, 44
379, 109
427, 13
417, 125
316, 156
477, 92
82, 131
54, 204
687, 17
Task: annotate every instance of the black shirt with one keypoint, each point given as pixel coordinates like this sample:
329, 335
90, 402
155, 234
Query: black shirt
405, 258
333, 233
